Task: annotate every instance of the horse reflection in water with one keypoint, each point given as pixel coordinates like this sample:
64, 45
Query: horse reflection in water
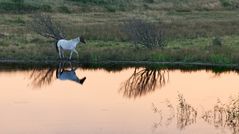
43, 77
63, 74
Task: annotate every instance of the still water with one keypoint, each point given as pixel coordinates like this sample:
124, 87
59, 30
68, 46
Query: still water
131, 101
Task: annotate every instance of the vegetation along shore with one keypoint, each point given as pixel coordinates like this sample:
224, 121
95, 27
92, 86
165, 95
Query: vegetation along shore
187, 31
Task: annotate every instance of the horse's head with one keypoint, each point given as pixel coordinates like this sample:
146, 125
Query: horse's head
81, 81
82, 39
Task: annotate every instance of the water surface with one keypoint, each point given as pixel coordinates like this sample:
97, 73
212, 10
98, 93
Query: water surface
130, 101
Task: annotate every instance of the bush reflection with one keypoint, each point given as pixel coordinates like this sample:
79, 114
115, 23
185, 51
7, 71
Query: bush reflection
144, 81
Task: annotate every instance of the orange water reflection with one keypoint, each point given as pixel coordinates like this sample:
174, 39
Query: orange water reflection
100, 105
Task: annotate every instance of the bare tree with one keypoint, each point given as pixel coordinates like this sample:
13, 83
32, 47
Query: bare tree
44, 25
144, 33
144, 81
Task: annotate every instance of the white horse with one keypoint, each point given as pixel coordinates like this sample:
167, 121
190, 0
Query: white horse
69, 45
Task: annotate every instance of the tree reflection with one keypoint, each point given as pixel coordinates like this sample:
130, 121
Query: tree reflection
41, 77
144, 81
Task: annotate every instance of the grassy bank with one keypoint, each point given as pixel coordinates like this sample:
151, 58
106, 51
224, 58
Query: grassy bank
178, 50
189, 28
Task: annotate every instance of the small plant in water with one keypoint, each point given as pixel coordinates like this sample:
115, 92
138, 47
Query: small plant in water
224, 115
186, 114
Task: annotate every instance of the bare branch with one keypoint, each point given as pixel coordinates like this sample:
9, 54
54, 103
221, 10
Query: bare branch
45, 26
144, 33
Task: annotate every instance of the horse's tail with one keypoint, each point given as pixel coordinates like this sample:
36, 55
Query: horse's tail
57, 46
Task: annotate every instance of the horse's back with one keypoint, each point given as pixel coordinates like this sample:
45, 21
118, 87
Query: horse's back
62, 42
65, 44
68, 75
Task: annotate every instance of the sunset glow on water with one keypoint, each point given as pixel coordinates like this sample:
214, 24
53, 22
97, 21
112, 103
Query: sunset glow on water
103, 104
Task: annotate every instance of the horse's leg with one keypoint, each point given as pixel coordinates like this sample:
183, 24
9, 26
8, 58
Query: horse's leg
71, 54
71, 65
59, 51
76, 53
63, 55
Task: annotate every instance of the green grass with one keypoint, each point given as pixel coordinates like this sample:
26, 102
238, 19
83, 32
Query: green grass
78, 6
189, 26
196, 50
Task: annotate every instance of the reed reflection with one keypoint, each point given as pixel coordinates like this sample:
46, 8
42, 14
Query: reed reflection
224, 115
185, 114
144, 81
64, 71
165, 115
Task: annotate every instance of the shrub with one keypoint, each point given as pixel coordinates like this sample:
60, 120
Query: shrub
46, 8
98, 2
144, 33
109, 5
18, 1
230, 3
19, 6
110, 8
149, 1
64, 9
217, 41
225, 3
